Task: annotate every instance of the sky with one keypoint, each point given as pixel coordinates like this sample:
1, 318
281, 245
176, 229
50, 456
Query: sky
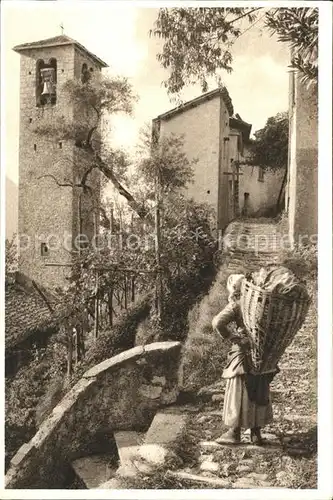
118, 34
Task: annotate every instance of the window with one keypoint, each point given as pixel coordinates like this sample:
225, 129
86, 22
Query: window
46, 82
261, 174
44, 249
85, 75
35, 147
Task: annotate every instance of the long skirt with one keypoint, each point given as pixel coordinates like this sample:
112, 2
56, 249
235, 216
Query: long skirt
239, 411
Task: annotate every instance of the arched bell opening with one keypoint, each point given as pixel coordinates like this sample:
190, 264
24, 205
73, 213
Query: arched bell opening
46, 82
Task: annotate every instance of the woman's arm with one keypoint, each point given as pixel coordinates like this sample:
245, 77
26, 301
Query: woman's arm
221, 320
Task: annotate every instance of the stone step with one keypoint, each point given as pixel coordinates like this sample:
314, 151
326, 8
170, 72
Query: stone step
196, 478
128, 444
270, 445
95, 470
164, 434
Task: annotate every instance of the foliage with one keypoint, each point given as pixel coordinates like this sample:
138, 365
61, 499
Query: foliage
39, 379
167, 161
302, 260
269, 149
114, 340
197, 42
299, 28
205, 352
11, 256
95, 102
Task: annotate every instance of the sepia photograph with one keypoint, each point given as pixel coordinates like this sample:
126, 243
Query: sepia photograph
164, 257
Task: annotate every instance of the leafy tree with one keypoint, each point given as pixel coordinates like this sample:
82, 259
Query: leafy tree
11, 256
298, 28
96, 101
269, 149
197, 42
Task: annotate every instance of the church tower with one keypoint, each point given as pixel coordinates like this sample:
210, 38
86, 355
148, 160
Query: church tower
49, 219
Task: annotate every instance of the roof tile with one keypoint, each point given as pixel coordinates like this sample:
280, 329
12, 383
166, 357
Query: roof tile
55, 41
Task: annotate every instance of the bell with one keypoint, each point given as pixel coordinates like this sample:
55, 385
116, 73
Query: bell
48, 88
47, 75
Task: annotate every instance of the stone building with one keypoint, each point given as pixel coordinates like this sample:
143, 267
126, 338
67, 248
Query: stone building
49, 218
219, 141
302, 182
204, 123
256, 190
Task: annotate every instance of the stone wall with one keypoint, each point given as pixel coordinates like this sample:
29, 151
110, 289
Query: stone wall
263, 194
203, 127
121, 393
302, 192
45, 209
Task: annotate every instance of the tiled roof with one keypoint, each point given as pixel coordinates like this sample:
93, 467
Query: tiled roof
55, 42
26, 313
199, 100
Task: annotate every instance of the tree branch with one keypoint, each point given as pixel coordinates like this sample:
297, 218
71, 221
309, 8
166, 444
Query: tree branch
64, 184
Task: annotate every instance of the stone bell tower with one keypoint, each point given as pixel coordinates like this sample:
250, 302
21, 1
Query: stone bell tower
49, 218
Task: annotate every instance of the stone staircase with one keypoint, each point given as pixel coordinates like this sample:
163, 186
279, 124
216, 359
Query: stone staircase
252, 243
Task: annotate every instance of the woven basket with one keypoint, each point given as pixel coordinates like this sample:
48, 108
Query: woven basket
272, 321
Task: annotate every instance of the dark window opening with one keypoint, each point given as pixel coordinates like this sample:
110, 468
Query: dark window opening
85, 75
30, 120
60, 145
91, 69
261, 174
29, 72
46, 82
62, 70
44, 249
35, 147
208, 192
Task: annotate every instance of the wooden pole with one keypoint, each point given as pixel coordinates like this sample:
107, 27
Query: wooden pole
76, 345
111, 221
69, 333
133, 289
159, 284
96, 307
110, 306
80, 220
125, 291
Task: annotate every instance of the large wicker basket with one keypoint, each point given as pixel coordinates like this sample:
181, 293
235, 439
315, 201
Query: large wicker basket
272, 321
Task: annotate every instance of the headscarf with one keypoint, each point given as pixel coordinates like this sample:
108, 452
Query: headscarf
234, 285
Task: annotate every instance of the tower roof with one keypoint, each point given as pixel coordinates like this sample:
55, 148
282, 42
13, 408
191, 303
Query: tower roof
56, 41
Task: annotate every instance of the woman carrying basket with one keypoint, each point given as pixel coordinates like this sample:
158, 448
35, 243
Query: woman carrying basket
247, 401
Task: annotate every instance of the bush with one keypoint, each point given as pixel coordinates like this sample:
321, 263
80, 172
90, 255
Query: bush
27, 393
182, 293
302, 260
116, 339
205, 351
